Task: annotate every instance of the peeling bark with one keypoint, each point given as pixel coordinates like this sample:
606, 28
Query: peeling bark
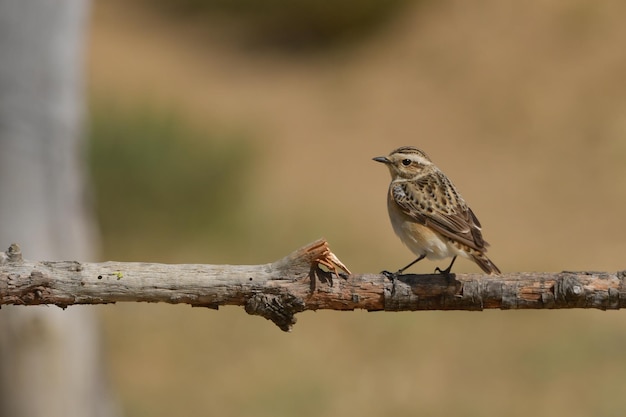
279, 290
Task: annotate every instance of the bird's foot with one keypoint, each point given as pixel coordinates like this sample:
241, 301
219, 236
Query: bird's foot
392, 276
446, 271
443, 271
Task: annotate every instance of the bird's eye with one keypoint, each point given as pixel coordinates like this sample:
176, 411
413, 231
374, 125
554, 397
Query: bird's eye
406, 162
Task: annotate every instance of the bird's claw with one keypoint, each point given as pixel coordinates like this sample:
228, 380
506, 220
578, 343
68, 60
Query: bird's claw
445, 272
390, 275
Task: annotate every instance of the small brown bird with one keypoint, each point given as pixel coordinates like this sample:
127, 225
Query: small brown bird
428, 213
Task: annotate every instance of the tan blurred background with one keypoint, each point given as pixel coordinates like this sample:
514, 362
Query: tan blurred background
222, 137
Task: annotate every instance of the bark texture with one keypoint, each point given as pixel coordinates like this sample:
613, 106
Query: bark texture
279, 290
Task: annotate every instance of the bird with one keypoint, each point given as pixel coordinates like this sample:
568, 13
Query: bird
428, 213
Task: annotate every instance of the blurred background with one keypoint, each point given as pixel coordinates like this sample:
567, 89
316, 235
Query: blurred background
238, 131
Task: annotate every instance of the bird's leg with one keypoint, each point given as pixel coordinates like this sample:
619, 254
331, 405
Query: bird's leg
401, 270
392, 275
446, 271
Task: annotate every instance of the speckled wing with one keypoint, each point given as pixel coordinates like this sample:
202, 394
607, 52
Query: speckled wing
433, 201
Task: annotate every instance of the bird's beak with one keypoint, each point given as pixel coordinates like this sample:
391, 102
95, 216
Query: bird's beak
382, 159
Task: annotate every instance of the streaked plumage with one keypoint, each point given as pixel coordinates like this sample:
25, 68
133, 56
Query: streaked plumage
428, 213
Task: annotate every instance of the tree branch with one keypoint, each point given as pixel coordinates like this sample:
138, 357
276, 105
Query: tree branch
279, 290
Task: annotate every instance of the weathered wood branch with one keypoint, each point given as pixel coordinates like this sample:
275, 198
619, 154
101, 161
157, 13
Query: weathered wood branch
279, 290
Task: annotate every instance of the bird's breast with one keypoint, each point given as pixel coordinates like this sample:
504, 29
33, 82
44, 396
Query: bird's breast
420, 239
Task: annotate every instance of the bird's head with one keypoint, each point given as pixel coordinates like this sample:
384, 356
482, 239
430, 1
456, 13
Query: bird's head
406, 162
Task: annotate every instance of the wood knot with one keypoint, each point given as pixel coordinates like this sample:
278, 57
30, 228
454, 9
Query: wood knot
570, 290
12, 255
280, 309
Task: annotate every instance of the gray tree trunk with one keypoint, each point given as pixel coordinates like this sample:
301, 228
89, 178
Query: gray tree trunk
50, 361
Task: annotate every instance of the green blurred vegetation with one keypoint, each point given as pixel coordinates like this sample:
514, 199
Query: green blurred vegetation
159, 182
509, 113
296, 25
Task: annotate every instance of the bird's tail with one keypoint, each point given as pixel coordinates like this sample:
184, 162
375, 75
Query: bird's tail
485, 263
